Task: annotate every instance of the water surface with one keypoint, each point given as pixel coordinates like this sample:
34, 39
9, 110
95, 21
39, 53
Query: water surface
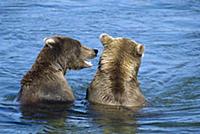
169, 74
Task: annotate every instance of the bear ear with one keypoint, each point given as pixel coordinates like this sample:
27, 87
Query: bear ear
105, 38
140, 49
49, 42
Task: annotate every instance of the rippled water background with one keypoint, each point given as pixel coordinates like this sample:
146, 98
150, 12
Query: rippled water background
169, 74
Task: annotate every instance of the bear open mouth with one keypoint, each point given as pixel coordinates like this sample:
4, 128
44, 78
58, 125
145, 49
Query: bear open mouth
88, 63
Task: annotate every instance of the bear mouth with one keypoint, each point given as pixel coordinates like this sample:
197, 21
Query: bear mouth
88, 63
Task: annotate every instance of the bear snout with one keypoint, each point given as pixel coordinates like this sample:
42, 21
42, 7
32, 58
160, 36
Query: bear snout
96, 51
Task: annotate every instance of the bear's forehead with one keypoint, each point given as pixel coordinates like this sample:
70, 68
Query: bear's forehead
66, 40
62, 38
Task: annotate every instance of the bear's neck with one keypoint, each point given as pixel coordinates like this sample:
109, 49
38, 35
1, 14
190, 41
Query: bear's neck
125, 72
55, 65
59, 67
49, 58
119, 73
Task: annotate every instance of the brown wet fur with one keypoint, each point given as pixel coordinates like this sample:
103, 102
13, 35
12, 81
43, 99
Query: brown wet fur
115, 82
45, 81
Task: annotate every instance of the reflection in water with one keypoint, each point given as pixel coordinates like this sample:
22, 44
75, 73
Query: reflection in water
114, 119
169, 73
53, 116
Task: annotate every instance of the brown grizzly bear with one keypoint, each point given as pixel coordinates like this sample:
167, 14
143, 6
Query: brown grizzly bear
45, 81
115, 82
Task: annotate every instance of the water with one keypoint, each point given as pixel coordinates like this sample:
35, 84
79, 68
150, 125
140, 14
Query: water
169, 74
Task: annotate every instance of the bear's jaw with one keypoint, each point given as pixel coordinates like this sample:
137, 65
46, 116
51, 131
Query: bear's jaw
88, 63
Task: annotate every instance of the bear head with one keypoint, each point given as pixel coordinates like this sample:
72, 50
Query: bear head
121, 53
66, 53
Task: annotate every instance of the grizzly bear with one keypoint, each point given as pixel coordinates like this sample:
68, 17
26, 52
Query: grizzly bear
115, 82
45, 81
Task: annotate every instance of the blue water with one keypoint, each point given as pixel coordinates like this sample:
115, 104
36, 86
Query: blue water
169, 74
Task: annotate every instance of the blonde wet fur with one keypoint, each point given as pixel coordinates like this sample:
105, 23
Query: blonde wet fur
115, 82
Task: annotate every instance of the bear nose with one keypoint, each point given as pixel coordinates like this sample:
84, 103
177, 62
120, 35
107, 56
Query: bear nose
96, 51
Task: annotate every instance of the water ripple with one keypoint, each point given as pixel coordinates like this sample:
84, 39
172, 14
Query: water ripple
169, 73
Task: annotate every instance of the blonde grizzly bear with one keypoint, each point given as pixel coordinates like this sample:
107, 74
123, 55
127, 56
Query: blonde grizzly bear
45, 81
115, 82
